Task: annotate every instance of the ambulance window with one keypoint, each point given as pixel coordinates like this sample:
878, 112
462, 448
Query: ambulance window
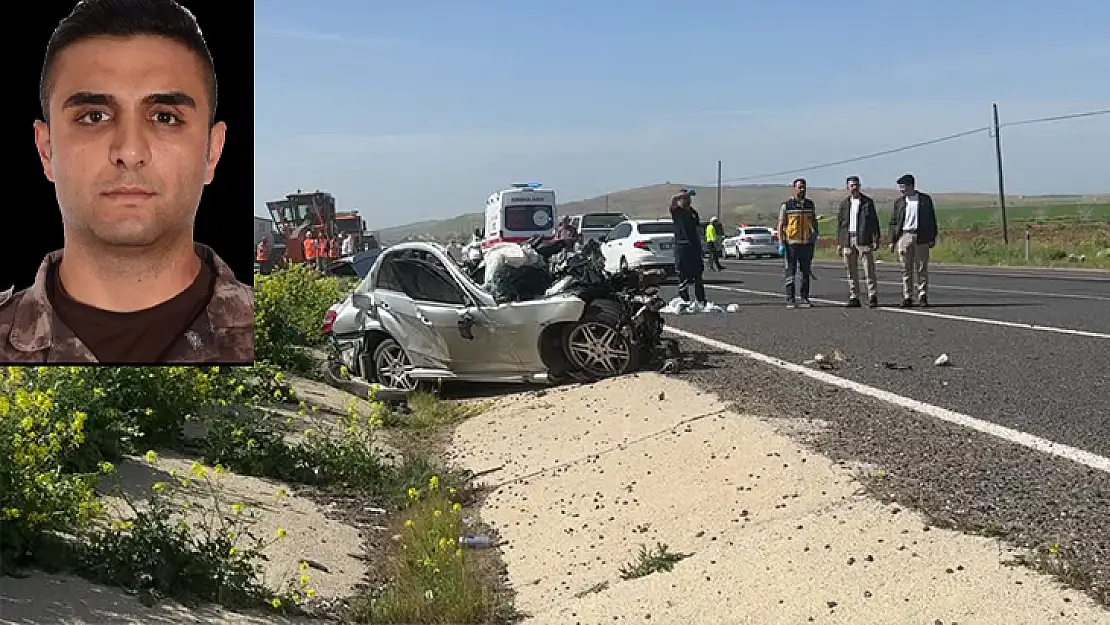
528, 218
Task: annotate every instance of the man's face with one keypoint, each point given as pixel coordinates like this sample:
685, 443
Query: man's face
800, 189
853, 187
684, 200
128, 147
906, 189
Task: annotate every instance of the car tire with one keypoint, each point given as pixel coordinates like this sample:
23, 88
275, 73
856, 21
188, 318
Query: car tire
599, 329
386, 356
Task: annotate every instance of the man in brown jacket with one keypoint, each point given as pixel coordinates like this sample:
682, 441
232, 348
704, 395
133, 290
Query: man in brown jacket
129, 139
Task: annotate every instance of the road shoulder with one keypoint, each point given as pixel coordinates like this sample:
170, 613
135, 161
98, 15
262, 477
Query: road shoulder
774, 533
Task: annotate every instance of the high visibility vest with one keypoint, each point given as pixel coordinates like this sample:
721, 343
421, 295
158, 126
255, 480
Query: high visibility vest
310, 249
710, 233
800, 222
263, 252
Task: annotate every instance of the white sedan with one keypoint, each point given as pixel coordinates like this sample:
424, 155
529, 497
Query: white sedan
640, 244
752, 242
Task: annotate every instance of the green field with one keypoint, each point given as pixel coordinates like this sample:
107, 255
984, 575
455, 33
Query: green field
1062, 228
1060, 235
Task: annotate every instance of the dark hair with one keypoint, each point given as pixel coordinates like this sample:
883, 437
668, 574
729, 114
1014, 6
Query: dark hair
127, 18
852, 179
907, 179
797, 180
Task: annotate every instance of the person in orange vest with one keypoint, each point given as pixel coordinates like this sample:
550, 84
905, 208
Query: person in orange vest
309, 249
333, 249
321, 251
262, 254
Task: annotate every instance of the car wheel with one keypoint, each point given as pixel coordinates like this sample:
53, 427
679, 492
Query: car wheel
624, 264
392, 366
596, 346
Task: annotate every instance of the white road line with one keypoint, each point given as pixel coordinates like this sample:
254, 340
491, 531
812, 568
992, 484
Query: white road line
1037, 443
927, 313
957, 288
1098, 275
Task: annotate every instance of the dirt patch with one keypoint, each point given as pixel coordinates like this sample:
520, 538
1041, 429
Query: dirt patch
768, 529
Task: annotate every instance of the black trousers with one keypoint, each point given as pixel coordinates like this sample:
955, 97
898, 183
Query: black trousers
699, 288
799, 259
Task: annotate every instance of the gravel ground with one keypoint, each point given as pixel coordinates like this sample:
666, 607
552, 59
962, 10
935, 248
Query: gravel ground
958, 476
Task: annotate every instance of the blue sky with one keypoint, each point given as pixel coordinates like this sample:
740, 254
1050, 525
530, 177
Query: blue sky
411, 111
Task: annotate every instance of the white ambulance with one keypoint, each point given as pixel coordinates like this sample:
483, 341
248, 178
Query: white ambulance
520, 213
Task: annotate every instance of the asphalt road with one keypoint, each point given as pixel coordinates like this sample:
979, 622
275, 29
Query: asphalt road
1029, 350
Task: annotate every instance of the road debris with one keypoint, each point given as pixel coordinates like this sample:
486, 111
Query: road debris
942, 360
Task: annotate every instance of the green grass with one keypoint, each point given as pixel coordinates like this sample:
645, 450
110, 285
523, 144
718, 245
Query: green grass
1059, 234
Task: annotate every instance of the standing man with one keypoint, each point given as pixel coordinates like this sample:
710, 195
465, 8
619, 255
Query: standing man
797, 228
129, 138
321, 251
262, 254
713, 233
913, 232
566, 233
859, 234
348, 245
309, 245
687, 247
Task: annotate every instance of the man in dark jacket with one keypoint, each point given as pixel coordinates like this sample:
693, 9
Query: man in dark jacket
913, 232
859, 234
687, 246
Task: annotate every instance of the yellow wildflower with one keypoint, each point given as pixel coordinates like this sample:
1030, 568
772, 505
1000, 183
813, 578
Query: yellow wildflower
275, 602
151, 457
281, 533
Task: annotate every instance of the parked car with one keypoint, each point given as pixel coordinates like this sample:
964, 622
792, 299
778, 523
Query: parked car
595, 226
640, 244
418, 317
752, 242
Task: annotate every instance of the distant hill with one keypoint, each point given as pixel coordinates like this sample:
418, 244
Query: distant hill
739, 204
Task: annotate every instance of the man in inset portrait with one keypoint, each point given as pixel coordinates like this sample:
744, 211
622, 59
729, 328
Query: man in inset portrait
129, 138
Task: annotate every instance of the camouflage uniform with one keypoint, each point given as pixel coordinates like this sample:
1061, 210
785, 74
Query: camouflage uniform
31, 332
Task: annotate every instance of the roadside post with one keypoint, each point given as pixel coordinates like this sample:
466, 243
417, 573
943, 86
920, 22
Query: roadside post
1028, 236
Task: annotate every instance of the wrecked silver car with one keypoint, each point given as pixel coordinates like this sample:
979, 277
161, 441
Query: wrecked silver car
419, 317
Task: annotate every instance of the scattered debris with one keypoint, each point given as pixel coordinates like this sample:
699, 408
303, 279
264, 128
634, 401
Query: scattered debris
942, 360
896, 366
678, 306
733, 308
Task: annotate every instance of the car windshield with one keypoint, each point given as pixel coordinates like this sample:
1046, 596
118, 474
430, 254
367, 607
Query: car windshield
605, 221
656, 227
528, 217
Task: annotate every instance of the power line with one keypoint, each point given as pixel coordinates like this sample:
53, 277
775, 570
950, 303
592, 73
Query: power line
1057, 118
914, 146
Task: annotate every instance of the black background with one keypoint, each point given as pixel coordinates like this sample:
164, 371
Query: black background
224, 220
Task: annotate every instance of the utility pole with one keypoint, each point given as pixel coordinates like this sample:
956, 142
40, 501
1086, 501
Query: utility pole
607, 202
718, 189
1001, 184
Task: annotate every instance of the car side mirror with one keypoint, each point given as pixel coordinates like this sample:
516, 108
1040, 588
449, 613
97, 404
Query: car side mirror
362, 301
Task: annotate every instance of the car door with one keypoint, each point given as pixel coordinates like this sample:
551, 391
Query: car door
476, 343
399, 316
615, 245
